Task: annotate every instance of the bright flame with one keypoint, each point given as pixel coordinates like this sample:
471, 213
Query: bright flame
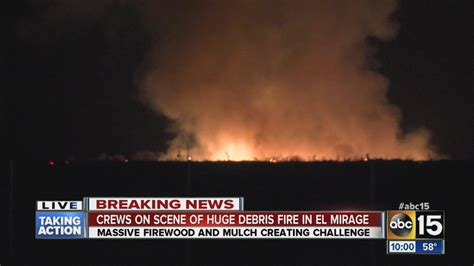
239, 148
232, 151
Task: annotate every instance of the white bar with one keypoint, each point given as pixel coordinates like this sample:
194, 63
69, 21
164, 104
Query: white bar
59, 205
173, 204
261, 233
403, 244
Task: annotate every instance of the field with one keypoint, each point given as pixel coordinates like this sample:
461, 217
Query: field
369, 185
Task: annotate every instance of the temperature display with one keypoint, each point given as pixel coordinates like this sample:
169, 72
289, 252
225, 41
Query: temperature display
415, 246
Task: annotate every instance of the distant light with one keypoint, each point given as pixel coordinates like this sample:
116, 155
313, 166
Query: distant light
51, 163
189, 158
67, 162
126, 160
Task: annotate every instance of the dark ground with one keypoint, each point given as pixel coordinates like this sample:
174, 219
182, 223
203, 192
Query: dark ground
447, 185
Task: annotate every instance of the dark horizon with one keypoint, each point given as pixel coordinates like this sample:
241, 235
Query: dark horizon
374, 185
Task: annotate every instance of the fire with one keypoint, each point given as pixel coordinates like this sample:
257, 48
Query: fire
232, 151
278, 90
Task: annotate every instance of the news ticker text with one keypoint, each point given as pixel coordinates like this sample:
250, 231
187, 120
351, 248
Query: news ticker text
406, 231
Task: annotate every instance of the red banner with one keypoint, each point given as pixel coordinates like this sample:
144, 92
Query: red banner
210, 219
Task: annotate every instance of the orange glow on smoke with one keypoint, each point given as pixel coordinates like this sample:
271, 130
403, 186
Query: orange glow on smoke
296, 86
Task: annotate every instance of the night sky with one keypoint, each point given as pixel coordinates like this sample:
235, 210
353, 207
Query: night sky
70, 89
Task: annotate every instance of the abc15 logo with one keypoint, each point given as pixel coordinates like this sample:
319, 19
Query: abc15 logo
415, 224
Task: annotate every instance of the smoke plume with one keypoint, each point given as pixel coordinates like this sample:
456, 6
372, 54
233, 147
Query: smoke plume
276, 79
269, 79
